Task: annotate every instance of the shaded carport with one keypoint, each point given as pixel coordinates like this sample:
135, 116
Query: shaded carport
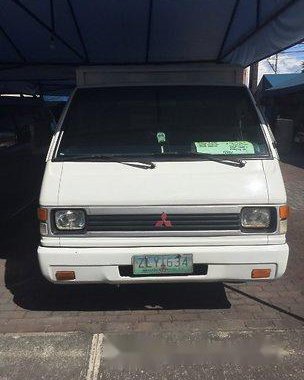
41, 42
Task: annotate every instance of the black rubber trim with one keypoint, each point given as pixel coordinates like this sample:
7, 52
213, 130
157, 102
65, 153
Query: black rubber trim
198, 270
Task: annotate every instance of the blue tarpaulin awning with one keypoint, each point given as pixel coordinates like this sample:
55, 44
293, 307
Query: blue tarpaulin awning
280, 84
290, 83
68, 33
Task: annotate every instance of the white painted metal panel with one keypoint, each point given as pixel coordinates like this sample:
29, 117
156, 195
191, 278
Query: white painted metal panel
175, 74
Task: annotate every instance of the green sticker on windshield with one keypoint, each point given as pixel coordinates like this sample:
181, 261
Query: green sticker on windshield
161, 137
224, 147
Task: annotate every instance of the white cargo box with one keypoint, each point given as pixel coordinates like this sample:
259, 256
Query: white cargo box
175, 74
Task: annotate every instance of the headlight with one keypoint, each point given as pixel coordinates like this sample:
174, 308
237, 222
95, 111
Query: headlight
70, 219
255, 217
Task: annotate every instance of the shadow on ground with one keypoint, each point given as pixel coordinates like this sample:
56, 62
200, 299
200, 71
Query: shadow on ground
295, 156
32, 292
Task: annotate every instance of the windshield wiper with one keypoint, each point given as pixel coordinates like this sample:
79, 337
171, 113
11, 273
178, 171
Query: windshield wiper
95, 157
222, 160
143, 164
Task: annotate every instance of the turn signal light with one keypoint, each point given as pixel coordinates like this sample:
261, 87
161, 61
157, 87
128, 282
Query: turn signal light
42, 214
65, 275
260, 273
284, 212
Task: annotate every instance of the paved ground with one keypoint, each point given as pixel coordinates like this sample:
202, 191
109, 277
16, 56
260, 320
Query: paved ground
246, 354
30, 304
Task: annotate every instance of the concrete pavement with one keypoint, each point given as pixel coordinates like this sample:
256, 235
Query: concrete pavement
244, 354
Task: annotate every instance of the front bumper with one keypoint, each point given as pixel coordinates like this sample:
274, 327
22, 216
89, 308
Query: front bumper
101, 265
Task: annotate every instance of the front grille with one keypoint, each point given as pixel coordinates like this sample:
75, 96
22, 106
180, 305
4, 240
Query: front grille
179, 222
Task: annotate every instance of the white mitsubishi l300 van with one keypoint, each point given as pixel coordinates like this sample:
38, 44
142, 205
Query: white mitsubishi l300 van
162, 174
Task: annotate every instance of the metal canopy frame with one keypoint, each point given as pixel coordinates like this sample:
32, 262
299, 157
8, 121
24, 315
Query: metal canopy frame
49, 29
78, 51
87, 59
148, 39
84, 55
236, 4
15, 47
259, 26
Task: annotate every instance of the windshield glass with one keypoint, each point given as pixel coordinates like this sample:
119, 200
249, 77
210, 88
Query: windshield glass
162, 120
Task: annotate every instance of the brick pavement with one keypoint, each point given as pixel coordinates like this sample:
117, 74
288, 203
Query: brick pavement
28, 303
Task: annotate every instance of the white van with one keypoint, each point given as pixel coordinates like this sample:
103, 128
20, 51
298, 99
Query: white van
162, 174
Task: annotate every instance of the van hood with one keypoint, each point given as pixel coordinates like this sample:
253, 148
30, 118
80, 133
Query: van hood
170, 183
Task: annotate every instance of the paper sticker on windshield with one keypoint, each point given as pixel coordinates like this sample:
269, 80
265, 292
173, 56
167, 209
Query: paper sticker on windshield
161, 137
224, 147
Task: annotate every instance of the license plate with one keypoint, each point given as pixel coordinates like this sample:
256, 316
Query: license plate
162, 264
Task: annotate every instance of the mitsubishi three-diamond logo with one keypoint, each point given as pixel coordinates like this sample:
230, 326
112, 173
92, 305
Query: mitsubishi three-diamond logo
164, 221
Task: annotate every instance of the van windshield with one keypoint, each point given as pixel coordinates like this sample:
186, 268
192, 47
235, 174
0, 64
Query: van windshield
160, 121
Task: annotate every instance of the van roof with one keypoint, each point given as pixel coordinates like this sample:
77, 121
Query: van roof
172, 74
